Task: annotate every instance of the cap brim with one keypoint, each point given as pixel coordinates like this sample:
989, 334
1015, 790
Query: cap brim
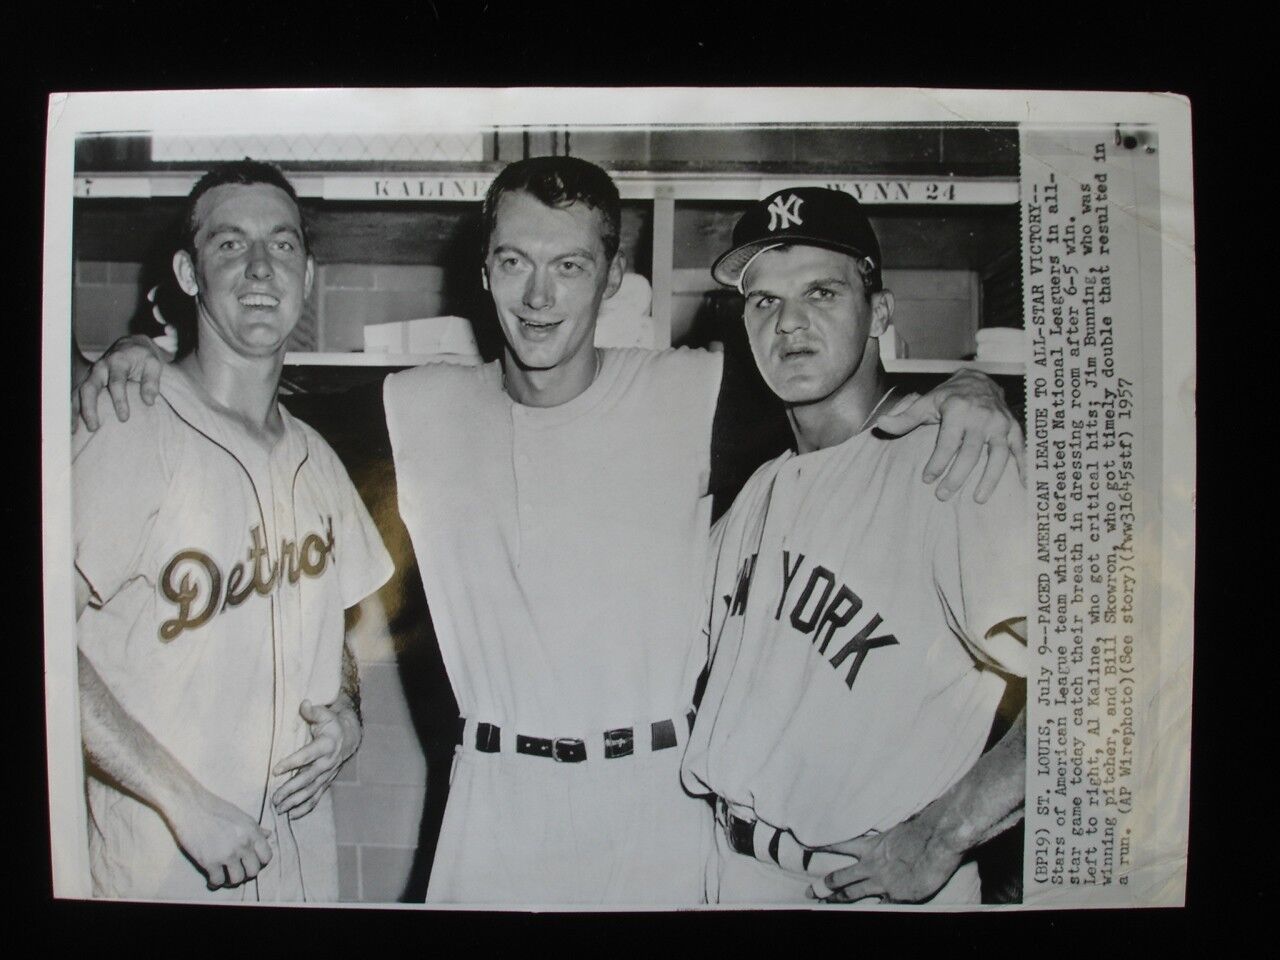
728, 268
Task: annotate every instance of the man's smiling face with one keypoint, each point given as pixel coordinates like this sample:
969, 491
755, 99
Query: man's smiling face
548, 272
251, 272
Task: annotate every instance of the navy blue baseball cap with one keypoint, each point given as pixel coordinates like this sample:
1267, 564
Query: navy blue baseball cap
812, 216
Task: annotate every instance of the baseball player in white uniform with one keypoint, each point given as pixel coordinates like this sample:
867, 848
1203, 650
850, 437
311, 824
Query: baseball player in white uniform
558, 502
218, 548
858, 626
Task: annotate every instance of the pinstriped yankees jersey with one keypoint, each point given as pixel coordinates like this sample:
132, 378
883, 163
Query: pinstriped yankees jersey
850, 679
220, 573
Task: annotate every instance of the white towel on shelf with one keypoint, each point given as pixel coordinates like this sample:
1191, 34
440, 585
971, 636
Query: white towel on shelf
1001, 344
624, 318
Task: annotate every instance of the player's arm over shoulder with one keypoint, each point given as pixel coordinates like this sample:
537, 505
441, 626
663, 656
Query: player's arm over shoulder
146, 426
121, 476
435, 375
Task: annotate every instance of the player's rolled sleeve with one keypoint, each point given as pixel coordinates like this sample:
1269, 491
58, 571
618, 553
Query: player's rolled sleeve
120, 475
980, 565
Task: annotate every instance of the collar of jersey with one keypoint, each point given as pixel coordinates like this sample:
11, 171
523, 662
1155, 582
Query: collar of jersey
585, 402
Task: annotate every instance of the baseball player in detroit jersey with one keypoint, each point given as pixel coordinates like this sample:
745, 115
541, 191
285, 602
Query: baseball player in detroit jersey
559, 502
218, 546
858, 626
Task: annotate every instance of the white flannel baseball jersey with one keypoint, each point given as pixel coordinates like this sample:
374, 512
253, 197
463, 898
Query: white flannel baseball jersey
848, 613
561, 550
220, 572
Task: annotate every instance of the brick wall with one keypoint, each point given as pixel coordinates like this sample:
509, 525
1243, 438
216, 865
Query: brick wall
350, 295
378, 796
104, 299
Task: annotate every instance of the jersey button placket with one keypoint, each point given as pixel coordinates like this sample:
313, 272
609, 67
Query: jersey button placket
288, 594
279, 522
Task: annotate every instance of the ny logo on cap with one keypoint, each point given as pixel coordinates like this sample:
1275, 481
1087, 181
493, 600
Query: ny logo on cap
783, 214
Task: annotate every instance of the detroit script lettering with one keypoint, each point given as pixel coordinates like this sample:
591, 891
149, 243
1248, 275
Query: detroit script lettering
815, 612
192, 580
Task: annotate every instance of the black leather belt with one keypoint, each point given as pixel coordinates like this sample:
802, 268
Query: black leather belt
616, 743
741, 836
565, 749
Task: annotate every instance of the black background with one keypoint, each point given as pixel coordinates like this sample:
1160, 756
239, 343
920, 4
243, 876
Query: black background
122, 45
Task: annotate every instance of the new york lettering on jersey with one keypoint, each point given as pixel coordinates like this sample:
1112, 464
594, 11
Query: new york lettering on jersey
815, 613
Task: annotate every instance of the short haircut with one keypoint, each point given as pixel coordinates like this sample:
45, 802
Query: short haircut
246, 172
557, 182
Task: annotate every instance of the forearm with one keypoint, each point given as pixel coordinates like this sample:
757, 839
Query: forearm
125, 750
366, 629
346, 706
912, 860
349, 692
986, 800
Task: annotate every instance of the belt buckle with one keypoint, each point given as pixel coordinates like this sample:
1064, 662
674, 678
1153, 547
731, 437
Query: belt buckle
569, 750
488, 737
619, 743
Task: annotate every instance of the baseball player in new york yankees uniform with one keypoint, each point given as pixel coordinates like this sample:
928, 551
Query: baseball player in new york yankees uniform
858, 626
218, 547
558, 501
